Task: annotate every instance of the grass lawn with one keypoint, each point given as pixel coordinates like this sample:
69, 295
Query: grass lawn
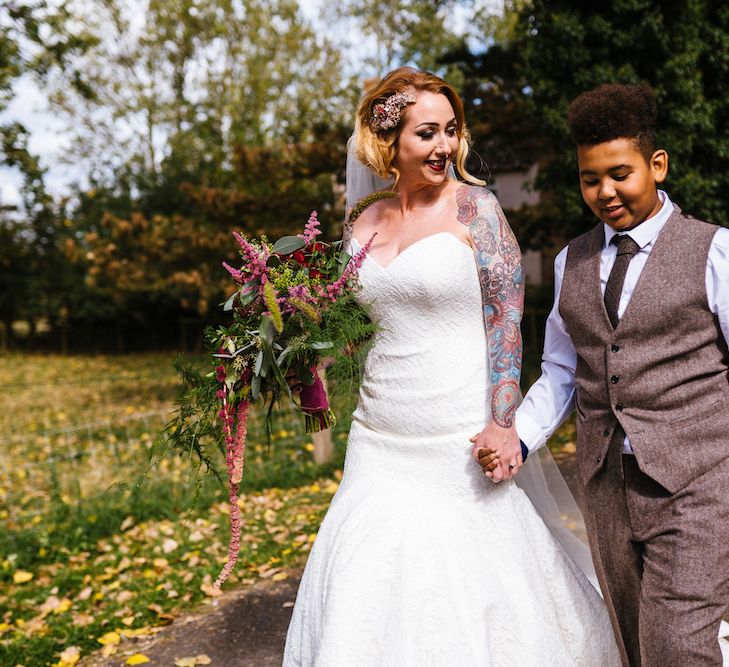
94, 545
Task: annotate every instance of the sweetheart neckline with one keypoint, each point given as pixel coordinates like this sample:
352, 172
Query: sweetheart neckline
402, 252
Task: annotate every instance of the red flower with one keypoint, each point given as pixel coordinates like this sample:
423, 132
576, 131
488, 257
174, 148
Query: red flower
317, 247
299, 257
313, 273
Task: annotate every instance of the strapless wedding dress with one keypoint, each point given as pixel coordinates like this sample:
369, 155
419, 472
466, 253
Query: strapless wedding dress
421, 560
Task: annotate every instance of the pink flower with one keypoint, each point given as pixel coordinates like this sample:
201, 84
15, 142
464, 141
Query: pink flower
237, 275
255, 259
332, 291
311, 229
300, 292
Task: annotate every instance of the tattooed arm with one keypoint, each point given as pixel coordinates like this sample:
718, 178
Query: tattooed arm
502, 288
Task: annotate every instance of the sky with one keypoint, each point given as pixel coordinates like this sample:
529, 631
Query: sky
49, 134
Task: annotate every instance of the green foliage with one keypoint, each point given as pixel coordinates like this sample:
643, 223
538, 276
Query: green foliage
680, 48
405, 32
129, 536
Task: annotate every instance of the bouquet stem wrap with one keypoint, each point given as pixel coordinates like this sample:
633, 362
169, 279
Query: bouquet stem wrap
315, 404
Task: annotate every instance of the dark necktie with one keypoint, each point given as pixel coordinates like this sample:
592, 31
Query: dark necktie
627, 248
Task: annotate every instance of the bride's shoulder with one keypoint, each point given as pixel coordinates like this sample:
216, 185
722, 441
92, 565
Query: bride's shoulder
465, 192
370, 205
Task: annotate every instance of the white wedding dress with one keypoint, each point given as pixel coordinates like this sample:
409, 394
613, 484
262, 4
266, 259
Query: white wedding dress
421, 560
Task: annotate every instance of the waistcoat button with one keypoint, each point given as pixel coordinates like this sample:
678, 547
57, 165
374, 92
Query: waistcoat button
619, 407
614, 379
615, 348
606, 432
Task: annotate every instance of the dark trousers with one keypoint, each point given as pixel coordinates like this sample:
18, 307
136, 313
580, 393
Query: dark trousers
662, 561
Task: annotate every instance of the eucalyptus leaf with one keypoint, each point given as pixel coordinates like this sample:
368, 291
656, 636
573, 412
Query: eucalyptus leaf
240, 350
344, 258
283, 355
266, 330
258, 364
255, 387
267, 359
228, 305
278, 374
288, 244
249, 292
321, 345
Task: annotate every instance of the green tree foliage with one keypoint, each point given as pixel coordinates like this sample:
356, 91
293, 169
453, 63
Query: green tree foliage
399, 32
681, 48
197, 120
173, 95
35, 40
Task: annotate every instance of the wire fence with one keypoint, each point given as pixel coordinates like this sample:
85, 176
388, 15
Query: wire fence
71, 464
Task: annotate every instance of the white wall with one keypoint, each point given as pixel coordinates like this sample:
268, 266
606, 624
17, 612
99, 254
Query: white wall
513, 190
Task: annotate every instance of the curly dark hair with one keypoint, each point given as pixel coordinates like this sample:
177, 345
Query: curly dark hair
615, 111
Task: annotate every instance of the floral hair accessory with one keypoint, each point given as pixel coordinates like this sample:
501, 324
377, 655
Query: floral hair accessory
386, 115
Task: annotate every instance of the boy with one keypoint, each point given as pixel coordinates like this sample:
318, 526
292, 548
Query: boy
637, 343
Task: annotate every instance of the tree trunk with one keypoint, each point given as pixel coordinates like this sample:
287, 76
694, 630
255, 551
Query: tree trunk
4, 336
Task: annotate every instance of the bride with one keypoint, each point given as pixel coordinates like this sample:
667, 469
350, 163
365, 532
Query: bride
420, 559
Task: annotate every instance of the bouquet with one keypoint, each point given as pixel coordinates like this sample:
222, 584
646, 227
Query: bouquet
292, 307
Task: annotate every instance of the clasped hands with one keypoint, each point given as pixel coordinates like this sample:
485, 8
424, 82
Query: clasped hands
498, 452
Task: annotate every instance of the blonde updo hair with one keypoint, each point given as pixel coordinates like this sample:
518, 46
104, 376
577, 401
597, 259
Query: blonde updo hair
377, 149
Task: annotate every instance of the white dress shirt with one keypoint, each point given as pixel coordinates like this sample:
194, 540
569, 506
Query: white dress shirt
550, 400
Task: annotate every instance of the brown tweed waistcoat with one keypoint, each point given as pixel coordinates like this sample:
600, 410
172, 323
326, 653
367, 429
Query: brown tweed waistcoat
663, 372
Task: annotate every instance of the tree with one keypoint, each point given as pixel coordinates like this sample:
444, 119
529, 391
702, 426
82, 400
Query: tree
35, 40
400, 32
178, 92
681, 48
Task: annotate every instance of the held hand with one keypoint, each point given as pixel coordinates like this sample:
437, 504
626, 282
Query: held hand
505, 443
488, 459
293, 381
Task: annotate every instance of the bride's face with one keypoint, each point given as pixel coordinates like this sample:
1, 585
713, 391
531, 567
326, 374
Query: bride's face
428, 141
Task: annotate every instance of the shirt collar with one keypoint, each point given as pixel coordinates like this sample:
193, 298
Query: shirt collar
648, 230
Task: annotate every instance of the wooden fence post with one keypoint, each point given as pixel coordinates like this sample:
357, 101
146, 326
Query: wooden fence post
323, 446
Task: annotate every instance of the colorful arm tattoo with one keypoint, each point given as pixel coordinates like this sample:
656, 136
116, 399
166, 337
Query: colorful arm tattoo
502, 289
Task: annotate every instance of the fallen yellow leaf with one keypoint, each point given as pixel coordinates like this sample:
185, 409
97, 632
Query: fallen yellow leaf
279, 576
137, 632
193, 661
109, 650
137, 659
109, 639
69, 657
22, 577
63, 605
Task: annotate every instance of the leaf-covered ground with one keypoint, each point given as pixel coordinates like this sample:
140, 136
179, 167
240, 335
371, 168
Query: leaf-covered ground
96, 547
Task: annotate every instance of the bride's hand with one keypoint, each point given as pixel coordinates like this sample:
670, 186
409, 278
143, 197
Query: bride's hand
503, 441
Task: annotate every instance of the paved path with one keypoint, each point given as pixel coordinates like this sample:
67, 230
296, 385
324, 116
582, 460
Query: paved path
245, 628
240, 629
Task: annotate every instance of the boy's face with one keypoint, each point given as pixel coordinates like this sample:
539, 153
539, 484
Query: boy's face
618, 184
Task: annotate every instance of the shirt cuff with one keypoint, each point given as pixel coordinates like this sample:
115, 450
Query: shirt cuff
529, 432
